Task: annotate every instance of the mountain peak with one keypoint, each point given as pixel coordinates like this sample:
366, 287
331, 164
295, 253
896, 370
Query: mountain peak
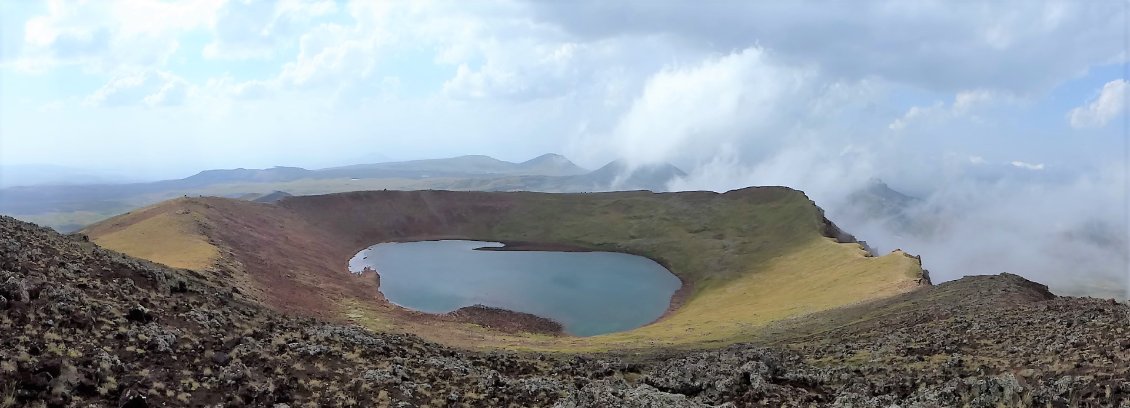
473, 157
548, 157
551, 164
654, 177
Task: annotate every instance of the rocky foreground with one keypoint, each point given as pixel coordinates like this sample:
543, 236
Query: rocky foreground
83, 326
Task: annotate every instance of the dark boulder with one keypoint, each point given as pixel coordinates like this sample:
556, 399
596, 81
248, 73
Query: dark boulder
139, 314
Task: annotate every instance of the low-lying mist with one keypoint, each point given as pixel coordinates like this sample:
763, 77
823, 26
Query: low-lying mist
959, 182
1069, 234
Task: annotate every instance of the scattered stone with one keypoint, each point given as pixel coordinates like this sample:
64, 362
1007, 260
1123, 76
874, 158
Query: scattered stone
157, 338
133, 399
139, 314
16, 289
309, 350
234, 373
617, 393
220, 358
391, 375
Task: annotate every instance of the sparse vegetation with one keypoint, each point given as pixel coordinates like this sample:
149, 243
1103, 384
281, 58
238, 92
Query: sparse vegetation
181, 337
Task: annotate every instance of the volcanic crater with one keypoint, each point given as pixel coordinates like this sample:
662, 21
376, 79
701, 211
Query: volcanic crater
779, 308
746, 258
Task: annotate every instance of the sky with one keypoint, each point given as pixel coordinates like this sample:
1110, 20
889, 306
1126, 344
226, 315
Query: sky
1007, 117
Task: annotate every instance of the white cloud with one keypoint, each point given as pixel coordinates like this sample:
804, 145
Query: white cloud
520, 72
149, 88
258, 28
964, 105
135, 18
1026, 165
690, 111
252, 89
106, 35
933, 44
822, 173
966, 101
916, 113
1109, 104
499, 53
331, 53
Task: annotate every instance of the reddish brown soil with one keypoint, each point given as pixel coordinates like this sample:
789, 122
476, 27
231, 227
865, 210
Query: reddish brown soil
295, 253
297, 268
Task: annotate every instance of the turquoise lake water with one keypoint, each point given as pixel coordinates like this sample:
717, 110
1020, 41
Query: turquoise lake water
589, 293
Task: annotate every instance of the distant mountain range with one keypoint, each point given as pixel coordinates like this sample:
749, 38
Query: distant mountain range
553, 165
68, 207
462, 166
611, 177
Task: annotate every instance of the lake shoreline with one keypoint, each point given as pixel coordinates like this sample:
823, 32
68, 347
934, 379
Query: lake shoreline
509, 320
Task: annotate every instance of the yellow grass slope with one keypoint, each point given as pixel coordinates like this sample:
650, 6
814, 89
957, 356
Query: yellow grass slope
791, 287
170, 233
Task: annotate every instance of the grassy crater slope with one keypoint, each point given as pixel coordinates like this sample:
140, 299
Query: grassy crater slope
747, 257
173, 238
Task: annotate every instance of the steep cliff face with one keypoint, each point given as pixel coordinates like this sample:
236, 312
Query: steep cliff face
746, 257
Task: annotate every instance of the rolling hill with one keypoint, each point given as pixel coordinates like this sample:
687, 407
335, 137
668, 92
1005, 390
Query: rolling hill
70, 207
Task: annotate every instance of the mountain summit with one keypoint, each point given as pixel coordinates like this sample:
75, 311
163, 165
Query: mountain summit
654, 177
551, 164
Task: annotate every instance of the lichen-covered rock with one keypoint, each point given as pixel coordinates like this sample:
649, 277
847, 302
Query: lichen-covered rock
155, 337
617, 393
311, 350
233, 373
737, 372
391, 375
15, 288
